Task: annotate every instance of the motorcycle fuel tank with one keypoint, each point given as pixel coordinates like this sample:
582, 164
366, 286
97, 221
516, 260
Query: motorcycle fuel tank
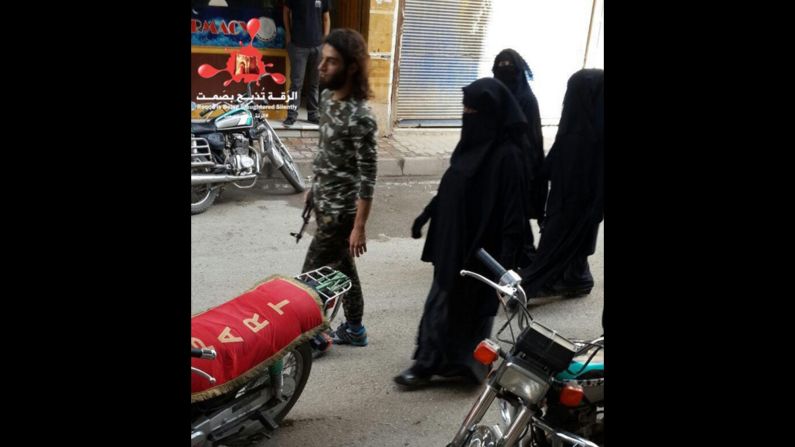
234, 119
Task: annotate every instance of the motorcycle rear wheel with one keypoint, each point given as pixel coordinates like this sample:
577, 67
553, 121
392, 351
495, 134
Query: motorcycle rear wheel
202, 197
297, 366
296, 369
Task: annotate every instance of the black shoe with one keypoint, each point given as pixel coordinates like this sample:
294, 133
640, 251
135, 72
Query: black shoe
576, 293
564, 292
313, 120
289, 121
457, 371
410, 379
460, 372
545, 292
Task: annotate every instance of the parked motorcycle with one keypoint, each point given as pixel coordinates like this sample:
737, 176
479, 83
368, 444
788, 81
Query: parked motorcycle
231, 149
550, 390
244, 410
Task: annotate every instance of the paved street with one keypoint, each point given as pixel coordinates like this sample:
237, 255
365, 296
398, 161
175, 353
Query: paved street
350, 399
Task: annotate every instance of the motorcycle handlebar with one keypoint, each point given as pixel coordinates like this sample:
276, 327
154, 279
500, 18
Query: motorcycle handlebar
508, 284
208, 354
491, 263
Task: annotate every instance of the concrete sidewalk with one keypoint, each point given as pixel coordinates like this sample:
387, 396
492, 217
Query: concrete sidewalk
407, 152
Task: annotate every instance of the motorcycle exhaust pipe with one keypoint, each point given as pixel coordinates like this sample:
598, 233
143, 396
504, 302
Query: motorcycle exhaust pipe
202, 164
205, 179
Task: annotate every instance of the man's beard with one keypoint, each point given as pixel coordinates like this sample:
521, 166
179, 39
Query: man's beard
337, 81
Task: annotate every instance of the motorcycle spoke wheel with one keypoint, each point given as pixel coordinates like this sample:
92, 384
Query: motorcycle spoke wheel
289, 170
202, 196
295, 372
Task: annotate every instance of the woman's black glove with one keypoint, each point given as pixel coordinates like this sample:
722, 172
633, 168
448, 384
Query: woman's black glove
422, 219
419, 222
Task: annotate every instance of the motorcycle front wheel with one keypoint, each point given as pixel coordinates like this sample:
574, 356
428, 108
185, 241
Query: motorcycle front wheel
289, 169
483, 436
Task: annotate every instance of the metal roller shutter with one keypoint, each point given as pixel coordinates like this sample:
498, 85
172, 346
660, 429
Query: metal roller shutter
442, 45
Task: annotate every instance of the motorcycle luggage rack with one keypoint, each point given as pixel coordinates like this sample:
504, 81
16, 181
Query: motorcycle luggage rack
330, 284
200, 153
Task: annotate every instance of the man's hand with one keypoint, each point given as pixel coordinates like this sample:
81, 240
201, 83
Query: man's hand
358, 242
308, 196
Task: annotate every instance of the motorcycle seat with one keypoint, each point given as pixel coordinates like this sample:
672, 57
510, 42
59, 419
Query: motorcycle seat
251, 332
202, 126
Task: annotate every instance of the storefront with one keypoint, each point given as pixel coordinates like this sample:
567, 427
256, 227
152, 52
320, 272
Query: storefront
218, 34
444, 45
441, 48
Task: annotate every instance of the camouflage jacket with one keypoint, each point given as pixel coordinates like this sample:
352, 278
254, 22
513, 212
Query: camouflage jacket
344, 167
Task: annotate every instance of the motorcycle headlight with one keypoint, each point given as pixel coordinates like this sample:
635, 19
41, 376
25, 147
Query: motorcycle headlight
523, 383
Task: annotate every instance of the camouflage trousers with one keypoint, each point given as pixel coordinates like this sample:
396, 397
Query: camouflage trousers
329, 247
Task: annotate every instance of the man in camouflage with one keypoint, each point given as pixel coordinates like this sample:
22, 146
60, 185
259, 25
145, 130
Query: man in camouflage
344, 171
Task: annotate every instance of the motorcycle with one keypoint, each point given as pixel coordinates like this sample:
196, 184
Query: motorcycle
232, 148
253, 408
550, 389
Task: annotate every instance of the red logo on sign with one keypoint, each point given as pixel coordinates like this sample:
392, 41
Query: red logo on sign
245, 65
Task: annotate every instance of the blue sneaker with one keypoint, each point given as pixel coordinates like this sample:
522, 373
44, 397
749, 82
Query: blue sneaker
344, 335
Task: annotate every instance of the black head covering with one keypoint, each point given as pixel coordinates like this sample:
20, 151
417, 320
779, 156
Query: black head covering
497, 118
514, 76
576, 160
583, 105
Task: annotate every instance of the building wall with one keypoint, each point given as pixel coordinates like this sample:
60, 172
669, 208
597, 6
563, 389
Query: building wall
552, 35
381, 44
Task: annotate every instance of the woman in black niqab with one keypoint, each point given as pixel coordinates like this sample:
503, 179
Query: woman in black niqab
575, 207
512, 70
478, 205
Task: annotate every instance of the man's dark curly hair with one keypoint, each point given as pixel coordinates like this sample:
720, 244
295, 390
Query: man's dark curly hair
351, 45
